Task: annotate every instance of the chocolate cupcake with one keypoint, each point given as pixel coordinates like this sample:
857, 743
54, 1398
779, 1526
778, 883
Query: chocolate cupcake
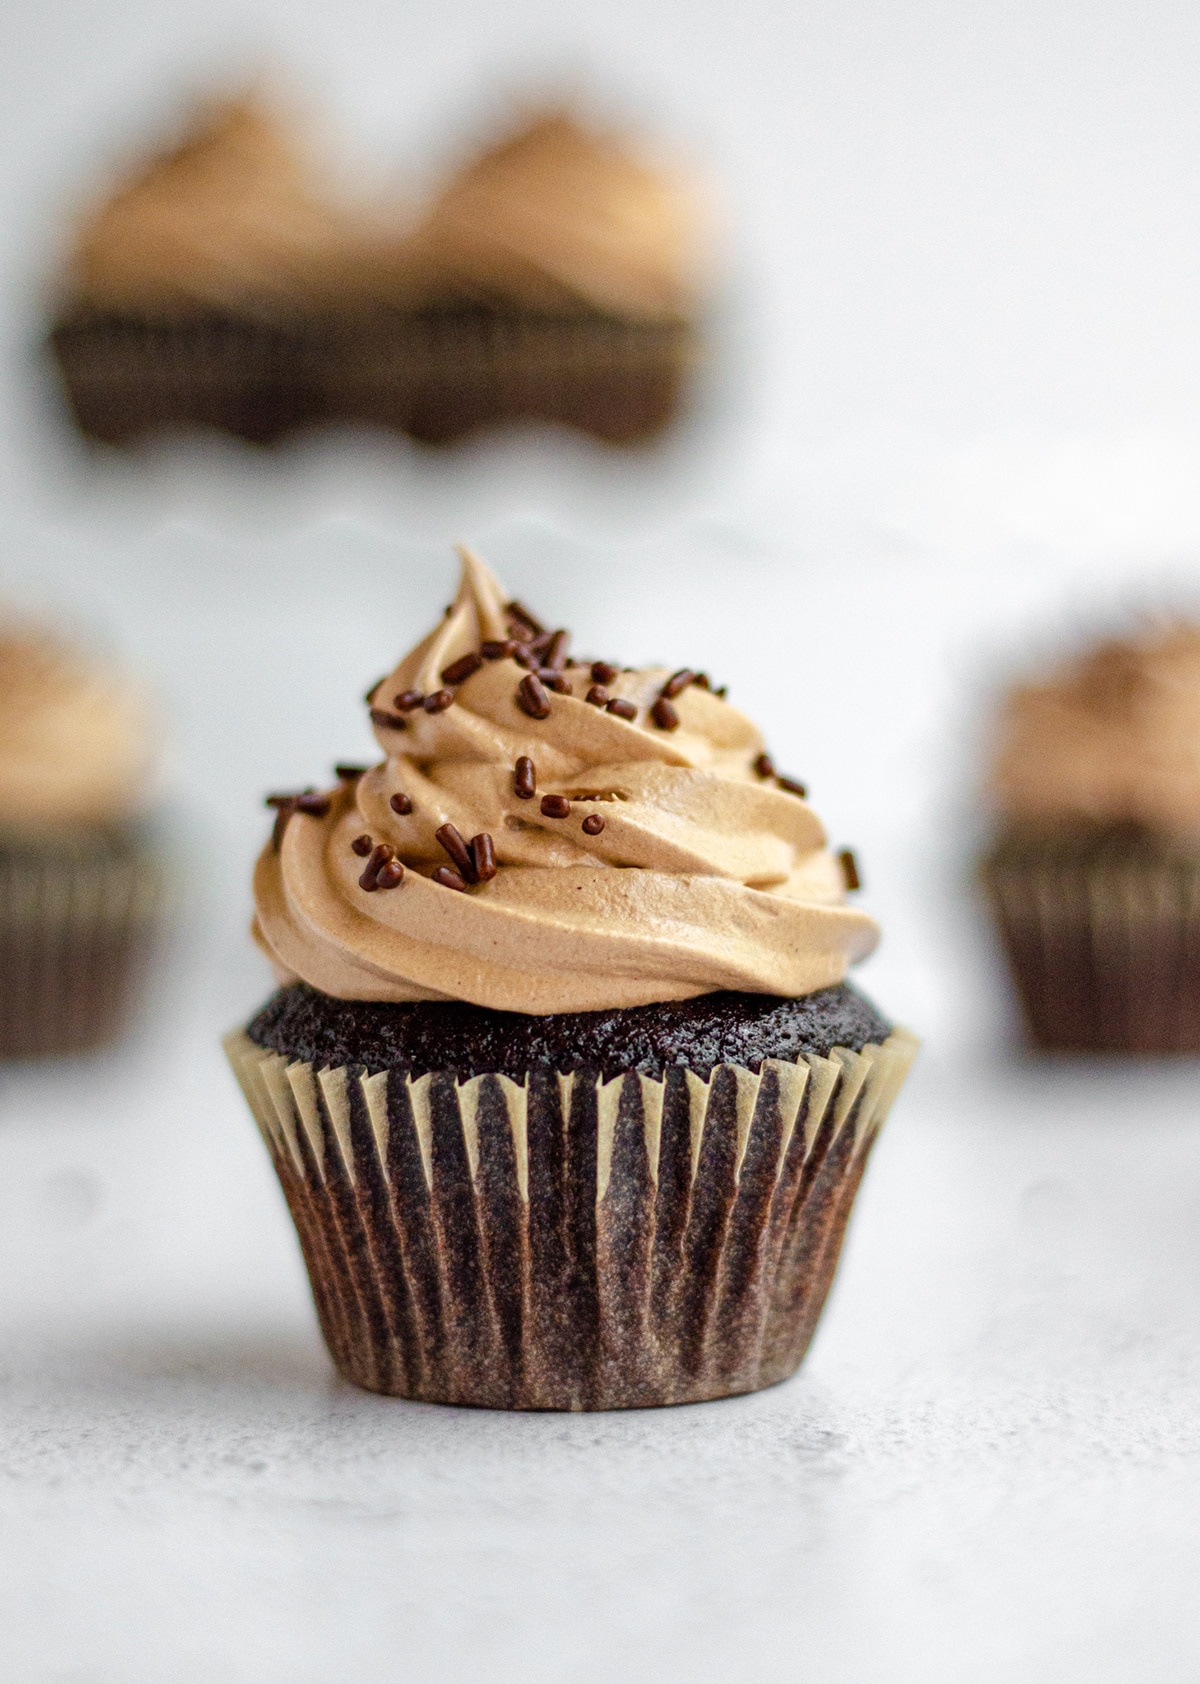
226, 285
1094, 873
81, 869
202, 292
556, 278
563, 1082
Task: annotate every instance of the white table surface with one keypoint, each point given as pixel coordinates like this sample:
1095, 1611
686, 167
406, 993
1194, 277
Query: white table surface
959, 416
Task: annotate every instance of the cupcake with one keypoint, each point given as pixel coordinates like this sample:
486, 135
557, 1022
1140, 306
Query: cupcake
564, 1085
224, 284
200, 292
81, 875
556, 278
1094, 873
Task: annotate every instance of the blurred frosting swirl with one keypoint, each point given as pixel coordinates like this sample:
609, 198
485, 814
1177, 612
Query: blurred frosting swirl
75, 740
234, 217
1112, 737
705, 876
555, 216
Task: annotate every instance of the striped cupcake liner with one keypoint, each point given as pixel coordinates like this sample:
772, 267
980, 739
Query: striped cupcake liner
436, 375
77, 932
566, 1242
1104, 951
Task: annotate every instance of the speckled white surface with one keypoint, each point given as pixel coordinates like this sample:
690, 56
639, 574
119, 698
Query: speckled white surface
959, 411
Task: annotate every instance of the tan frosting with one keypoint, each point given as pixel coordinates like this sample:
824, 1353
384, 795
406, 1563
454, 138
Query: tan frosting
75, 743
704, 877
1112, 737
232, 217
556, 215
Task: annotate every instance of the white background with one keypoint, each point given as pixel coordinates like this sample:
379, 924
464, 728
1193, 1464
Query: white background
955, 419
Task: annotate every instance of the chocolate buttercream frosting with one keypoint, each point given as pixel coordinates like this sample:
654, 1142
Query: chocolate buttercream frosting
558, 216
654, 857
235, 217
76, 745
1112, 738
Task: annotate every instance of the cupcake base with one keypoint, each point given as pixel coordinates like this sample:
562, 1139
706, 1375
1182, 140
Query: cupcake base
566, 1241
127, 377
436, 375
79, 917
1102, 934
441, 374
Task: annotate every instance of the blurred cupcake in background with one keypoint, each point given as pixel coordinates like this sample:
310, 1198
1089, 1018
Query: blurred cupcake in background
226, 284
1094, 875
82, 877
199, 293
557, 277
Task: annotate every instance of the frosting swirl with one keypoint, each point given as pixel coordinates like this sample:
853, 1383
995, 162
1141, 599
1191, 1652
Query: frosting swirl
75, 743
1112, 737
705, 875
233, 217
555, 216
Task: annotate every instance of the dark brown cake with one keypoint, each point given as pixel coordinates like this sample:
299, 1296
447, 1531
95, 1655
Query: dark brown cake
696, 1034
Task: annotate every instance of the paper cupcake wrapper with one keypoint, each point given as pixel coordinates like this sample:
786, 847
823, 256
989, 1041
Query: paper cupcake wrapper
567, 1242
1104, 951
439, 375
127, 377
435, 375
77, 930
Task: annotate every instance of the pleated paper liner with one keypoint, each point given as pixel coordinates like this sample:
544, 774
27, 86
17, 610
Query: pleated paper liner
1105, 950
436, 374
566, 1242
78, 926
126, 377
440, 374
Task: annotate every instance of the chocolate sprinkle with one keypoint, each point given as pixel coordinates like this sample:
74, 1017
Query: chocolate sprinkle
556, 655
407, 700
592, 825
597, 695
492, 649
401, 803
602, 672
362, 845
554, 680
348, 773
458, 671
448, 878
677, 682
452, 840
792, 785
391, 721
390, 875
483, 857
380, 855
438, 702
849, 867
764, 766
556, 806
532, 697
664, 715
622, 708
525, 779
517, 611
